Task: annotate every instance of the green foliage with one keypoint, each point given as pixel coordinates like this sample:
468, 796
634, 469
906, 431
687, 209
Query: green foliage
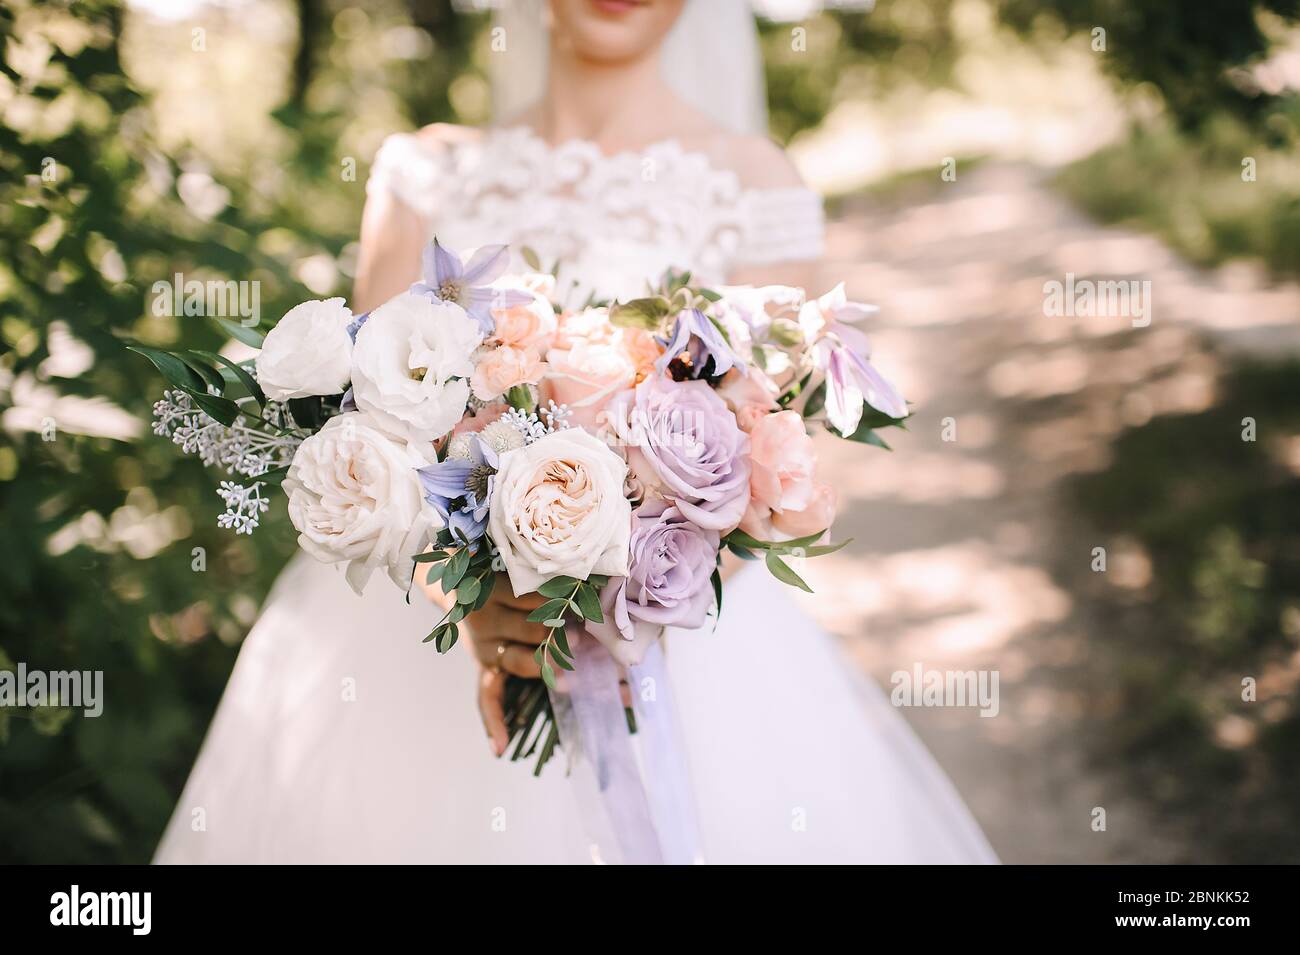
1215, 518
113, 559
1193, 53
744, 546
845, 53
1195, 193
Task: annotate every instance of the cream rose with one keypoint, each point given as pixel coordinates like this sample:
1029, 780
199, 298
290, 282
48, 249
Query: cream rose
558, 510
309, 352
410, 365
355, 498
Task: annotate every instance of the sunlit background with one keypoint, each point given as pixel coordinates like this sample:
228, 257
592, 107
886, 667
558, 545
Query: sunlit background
969, 150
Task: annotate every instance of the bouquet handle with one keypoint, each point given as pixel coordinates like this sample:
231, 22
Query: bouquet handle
637, 812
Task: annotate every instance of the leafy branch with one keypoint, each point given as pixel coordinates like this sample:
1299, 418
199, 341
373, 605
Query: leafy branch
207, 377
570, 598
745, 546
467, 576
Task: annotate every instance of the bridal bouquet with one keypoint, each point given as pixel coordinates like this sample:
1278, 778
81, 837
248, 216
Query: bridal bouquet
602, 456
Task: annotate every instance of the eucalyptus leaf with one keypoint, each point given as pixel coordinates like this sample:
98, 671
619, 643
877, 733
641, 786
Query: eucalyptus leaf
644, 313
250, 384
172, 368
782, 572
558, 587
823, 550
210, 375
215, 406
248, 335
306, 412
741, 539
489, 583
589, 604
456, 567
561, 640
468, 590
549, 610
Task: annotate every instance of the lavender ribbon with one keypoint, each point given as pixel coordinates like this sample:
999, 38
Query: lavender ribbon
631, 817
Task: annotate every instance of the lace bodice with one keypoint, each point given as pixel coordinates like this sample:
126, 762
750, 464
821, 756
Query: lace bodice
611, 221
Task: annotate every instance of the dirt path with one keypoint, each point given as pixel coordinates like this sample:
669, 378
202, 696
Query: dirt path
956, 541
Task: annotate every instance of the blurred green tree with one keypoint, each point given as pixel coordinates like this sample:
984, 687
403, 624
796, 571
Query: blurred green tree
1196, 54
112, 560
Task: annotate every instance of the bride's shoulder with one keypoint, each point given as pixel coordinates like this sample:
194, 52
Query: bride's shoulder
433, 140
447, 135
758, 162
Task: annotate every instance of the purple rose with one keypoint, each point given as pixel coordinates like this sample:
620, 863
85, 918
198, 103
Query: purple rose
670, 563
685, 448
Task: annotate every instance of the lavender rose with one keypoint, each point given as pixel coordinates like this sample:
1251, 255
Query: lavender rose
685, 449
670, 563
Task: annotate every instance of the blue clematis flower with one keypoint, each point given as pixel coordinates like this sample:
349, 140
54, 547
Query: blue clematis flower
698, 339
354, 326
853, 383
460, 489
444, 277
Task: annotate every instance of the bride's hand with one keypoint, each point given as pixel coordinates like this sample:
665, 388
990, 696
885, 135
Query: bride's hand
503, 642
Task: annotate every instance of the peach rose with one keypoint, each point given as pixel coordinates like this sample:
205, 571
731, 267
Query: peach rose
589, 325
476, 422
786, 501
525, 326
502, 368
585, 375
750, 397
641, 349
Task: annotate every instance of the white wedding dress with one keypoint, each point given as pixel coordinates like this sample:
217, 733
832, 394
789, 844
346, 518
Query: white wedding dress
343, 738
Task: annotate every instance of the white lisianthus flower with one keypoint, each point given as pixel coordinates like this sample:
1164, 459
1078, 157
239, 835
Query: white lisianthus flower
410, 365
355, 498
308, 353
558, 510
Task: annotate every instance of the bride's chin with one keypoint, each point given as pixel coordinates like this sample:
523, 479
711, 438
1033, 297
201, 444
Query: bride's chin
612, 31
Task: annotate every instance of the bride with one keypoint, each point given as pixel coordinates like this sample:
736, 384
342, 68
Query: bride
342, 737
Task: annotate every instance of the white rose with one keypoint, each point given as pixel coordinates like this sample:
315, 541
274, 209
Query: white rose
308, 353
410, 365
354, 497
558, 510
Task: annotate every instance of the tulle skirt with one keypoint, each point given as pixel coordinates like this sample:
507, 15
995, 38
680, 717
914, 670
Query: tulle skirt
342, 738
